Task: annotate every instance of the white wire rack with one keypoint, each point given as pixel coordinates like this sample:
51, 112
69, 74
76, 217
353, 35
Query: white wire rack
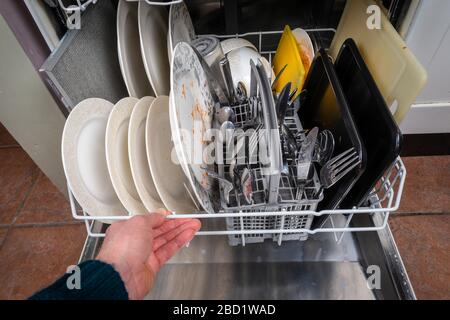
83, 4
383, 200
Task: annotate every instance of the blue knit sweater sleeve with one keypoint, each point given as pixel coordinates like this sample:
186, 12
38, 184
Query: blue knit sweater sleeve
97, 280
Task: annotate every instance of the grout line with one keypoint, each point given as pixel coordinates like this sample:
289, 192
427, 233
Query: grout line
412, 214
46, 224
22, 205
4, 238
10, 146
19, 209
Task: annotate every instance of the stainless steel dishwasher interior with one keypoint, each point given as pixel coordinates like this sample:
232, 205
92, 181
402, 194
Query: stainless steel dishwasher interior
319, 268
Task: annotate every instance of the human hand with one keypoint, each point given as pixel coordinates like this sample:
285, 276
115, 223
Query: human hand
137, 248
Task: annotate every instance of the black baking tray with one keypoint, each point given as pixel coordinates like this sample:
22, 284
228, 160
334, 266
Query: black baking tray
377, 128
325, 107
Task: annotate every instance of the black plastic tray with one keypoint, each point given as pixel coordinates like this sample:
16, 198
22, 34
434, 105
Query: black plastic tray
325, 107
379, 132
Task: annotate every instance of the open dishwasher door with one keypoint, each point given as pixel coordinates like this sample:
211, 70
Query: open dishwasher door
363, 265
358, 265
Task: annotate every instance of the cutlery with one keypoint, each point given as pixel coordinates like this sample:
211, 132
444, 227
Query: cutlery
283, 103
338, 167
225, 114
216, 89
247, 185
292, 95
324, 147
227, 134
241, 93
226, 185
290, 140
225, 67
274, 82
299, 100
304, 158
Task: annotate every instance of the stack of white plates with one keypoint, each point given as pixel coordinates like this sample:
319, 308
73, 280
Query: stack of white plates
146, 37
118, 158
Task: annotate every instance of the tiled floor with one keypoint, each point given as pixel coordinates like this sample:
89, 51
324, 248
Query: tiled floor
38, 238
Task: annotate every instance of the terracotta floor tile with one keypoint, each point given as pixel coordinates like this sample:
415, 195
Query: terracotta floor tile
17, 175
6, 138
424, 244
44, 204
3, 232
32, 258
427, 186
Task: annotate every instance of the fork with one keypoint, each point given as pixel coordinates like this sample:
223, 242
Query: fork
226, 185
337, 167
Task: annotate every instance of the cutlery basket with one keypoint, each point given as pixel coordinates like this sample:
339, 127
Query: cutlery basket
288, 195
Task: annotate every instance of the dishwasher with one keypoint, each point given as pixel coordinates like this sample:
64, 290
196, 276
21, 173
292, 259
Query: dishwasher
235, 255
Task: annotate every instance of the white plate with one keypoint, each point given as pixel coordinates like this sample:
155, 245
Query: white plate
153, 22
193, 108
140, 170
129, 49
239, 60
116, 148
84, 161
304, 41
229, 45
181, 28
169, 178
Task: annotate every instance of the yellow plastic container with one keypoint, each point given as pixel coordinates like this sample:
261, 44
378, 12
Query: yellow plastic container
287, 54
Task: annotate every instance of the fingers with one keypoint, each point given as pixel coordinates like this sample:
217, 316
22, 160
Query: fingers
146, 222
162, 212
166, 251
168, 225
172, 229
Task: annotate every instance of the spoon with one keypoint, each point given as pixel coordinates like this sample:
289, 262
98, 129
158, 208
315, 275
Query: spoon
225, 114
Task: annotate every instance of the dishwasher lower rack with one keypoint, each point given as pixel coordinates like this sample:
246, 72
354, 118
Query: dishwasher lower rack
292, 221
384, 199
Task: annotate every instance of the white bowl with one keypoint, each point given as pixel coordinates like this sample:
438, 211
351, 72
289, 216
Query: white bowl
239, 60
229, 45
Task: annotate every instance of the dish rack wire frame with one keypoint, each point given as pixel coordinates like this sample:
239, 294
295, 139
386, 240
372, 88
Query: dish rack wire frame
383, 200
83, 4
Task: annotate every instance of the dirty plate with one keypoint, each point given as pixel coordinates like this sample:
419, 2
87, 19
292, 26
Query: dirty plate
287, 54
181, 28
192, 113
305, 47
